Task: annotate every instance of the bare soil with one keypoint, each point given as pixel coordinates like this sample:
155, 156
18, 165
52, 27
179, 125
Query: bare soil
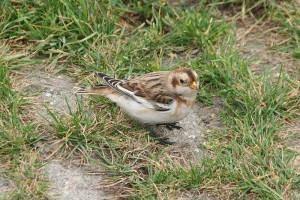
189, 140
6, 186
46, 90
71, 182
258, 43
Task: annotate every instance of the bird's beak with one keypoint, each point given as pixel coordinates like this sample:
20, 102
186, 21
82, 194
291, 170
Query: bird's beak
194, 85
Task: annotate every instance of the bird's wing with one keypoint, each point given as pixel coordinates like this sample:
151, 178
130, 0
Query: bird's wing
147, 90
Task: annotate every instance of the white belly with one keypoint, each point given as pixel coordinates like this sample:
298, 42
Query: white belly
150, 116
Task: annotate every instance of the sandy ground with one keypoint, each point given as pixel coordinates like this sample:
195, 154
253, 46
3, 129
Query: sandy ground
189, 141
52, 91
72, 183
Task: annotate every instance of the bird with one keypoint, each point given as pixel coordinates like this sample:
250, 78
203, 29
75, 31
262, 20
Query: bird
156, 98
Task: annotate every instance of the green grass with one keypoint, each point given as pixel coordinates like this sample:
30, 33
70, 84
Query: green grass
246, 158
18, 159
288, 14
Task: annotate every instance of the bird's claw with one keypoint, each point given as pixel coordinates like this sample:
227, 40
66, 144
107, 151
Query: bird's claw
171, 126
161, 140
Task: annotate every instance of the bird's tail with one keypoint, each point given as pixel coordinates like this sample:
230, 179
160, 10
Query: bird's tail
95, 89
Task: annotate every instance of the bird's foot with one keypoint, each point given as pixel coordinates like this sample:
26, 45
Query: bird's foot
171, 126
161, 140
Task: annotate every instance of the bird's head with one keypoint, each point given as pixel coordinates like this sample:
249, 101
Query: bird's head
184, 82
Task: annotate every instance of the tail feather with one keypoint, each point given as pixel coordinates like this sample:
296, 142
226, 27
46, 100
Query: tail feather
95, 89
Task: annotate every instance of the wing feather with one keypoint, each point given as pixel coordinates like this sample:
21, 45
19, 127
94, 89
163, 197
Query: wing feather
147, 90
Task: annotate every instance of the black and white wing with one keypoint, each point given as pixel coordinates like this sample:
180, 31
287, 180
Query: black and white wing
152, 99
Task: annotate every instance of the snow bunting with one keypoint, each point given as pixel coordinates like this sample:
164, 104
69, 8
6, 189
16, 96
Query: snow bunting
163, 97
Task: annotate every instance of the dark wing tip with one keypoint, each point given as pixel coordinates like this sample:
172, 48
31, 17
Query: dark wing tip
100, 74
162, 109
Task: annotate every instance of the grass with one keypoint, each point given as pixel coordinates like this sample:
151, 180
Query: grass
19, 161
287, 15
247, 158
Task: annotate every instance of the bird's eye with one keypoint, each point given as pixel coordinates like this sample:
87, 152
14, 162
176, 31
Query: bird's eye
181, 81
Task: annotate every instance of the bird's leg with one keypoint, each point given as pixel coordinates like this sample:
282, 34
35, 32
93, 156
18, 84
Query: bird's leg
171, 126
161, 140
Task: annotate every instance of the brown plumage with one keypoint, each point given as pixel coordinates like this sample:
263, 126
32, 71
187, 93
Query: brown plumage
154, 98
